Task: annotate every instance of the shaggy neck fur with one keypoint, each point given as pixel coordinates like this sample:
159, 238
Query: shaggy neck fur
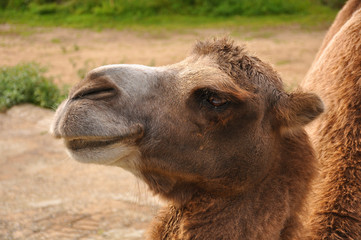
269, 210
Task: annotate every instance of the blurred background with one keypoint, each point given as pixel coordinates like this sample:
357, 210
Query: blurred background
46, 46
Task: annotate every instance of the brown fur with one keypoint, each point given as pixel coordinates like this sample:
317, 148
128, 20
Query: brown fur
237, 170
336, 77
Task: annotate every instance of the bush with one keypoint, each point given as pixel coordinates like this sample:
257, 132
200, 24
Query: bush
26, 83
334, 3
49, 8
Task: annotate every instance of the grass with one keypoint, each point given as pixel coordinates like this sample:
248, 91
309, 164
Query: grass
26, 83
316, 16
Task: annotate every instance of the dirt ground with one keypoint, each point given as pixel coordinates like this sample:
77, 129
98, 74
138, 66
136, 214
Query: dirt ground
46, 195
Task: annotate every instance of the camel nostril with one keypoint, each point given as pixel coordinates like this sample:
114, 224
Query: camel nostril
95, 93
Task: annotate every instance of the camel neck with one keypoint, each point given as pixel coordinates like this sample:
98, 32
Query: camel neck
228, 218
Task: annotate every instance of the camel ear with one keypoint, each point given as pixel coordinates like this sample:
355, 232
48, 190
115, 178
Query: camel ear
298, 109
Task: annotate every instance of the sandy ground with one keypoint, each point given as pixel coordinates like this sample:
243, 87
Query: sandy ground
46, 195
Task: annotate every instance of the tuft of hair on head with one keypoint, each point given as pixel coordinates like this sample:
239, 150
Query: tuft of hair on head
221, 47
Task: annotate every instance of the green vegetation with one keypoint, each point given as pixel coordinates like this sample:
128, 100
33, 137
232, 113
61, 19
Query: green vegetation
166, 13
26, 83
141, 8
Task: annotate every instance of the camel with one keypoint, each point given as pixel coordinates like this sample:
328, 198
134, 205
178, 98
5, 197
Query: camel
336, 77
215, 135
219, 139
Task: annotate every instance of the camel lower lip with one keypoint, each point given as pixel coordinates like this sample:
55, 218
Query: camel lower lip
78, 144
93, 142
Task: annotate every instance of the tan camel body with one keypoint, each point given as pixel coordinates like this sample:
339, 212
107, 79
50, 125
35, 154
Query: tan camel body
336, 77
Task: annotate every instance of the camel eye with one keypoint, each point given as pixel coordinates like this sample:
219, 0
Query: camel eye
211, 99
217, 101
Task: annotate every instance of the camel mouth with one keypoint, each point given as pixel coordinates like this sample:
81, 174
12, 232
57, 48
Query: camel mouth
98, 142
83, 143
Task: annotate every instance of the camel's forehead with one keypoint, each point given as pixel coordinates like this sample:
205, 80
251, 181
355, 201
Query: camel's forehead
197, 72
199, 68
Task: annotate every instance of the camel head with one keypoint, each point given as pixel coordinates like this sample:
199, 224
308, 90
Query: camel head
213, 122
